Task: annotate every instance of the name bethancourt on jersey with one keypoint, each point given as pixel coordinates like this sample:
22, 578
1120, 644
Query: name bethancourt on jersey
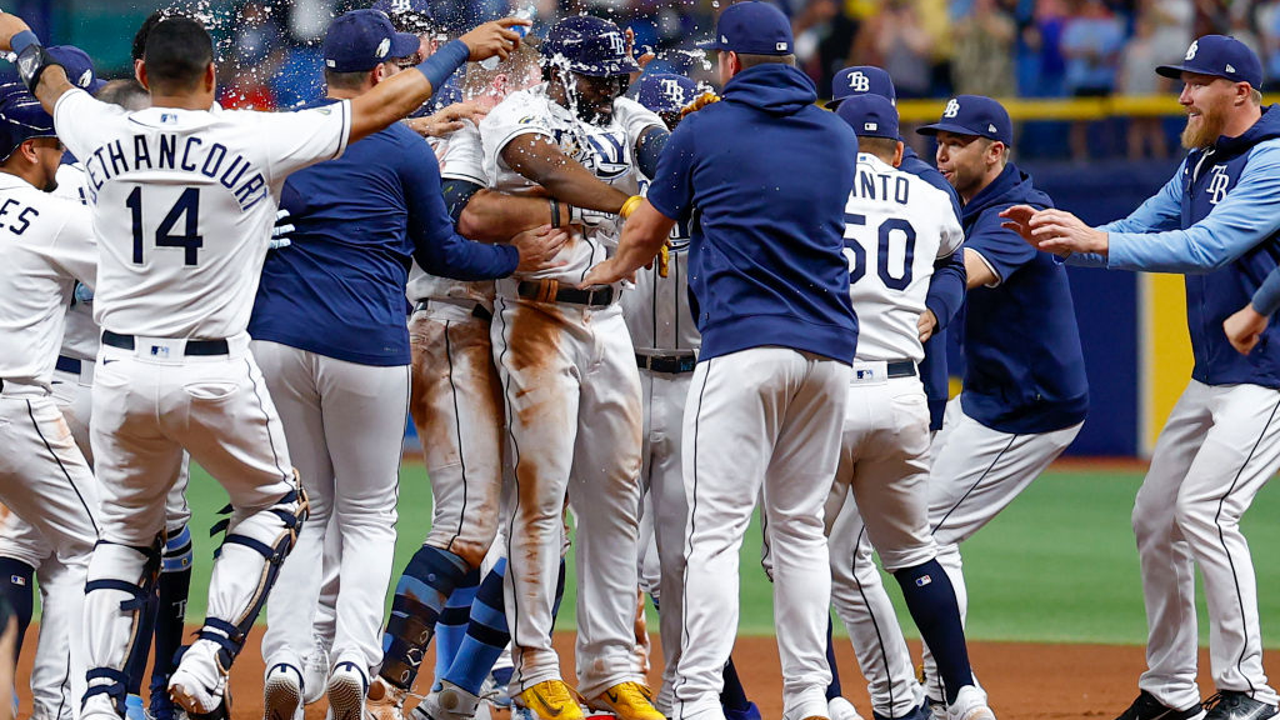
169, 152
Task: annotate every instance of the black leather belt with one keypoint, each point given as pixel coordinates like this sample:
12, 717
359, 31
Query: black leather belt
68, 365
900, 368
193, 347
479, 310
669, 364
553, 291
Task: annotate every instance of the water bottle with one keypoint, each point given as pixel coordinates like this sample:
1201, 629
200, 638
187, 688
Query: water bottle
526, 12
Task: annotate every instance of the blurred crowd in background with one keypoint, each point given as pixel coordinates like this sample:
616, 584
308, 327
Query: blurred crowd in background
932, 48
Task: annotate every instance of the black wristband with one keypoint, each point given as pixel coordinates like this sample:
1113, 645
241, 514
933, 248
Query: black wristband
555, 213
32, 62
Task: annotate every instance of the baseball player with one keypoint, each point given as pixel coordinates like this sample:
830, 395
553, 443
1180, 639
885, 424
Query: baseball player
884, 464
342, 376
175, 370
858, 593
48, 245
1215, 221
1025, 393
666, 341
568, 373
770, 385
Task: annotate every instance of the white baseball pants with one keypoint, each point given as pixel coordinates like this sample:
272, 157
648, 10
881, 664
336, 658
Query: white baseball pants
1217, 450
457, 410
45, 480
977, 472
666, 511
881, 499
149, 403
345, 426
765, 417
572, 393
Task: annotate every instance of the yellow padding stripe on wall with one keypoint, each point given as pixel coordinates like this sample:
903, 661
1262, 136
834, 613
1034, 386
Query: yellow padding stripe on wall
1166, 352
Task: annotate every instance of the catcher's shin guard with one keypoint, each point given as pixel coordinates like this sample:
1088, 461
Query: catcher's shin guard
246, 568
121, 579
421, 594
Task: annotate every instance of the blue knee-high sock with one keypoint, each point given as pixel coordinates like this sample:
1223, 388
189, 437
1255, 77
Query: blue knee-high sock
426, 582
17, 587
174, 587
733, 696
555, 606
451, 626
932, 601
487, 634
833, 690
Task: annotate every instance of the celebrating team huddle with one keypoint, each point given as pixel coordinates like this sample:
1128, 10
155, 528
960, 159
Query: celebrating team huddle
622, 313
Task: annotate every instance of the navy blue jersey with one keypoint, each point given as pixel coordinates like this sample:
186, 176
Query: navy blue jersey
1218, 221
360, 220
1025, 372
769, 173
946, 295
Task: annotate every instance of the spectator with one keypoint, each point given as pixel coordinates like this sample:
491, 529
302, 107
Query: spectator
1269, 29
1171, 23
1136, 78
1091, 42
983, 63
896, 40
1043, 68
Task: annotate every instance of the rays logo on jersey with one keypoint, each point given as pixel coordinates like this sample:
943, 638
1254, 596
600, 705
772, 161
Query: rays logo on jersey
1218, 184
603, 152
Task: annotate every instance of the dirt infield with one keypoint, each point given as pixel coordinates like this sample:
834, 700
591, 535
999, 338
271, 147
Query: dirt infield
1026, 681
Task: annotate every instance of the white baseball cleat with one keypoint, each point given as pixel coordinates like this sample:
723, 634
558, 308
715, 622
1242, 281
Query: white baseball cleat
200, 681
450, 702
385, 701
282, 693
970, 704
315, 673
841, 709
348, 685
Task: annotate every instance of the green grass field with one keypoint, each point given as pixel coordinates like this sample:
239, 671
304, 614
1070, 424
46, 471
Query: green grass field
1058, 566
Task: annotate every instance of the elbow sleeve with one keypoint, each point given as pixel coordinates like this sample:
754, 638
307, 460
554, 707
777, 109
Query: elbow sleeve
457, 193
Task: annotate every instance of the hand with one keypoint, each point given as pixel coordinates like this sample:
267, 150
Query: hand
1055, 231
494, 38
448, 120
538, 248
10, 25
280, 233
1244, 329
596, 220
927, 323
605, 273
645, 58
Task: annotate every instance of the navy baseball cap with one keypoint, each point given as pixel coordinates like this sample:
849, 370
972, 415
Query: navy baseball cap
590, 46
664, 92
79, 67
21, 118
1221, 56
870, 116
861, 80
363, 39
973, 115
753, 28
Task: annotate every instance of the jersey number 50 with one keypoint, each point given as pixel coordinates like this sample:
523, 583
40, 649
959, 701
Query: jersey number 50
186, 208
858, 255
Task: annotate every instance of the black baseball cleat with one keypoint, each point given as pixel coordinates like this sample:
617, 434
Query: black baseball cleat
1233, 705
1147, 707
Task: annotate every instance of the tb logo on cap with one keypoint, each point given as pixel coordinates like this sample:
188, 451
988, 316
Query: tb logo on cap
859, 82
953, 108
1191, 51
672, 89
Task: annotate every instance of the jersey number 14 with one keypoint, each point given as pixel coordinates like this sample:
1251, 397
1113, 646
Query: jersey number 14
186, 211
858, 255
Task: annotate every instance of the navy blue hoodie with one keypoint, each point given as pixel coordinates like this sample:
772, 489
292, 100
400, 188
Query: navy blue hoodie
1025, 372
768, 173
1218, 221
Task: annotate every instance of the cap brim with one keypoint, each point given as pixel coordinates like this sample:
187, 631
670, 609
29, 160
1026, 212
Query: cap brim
834, 103
711, 45
936, 128
96, 86
608, 70
1173, 71
404, 45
